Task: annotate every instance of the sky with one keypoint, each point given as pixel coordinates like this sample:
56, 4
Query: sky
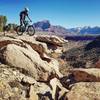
67, 13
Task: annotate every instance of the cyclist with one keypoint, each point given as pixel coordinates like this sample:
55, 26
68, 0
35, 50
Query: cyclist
23, 15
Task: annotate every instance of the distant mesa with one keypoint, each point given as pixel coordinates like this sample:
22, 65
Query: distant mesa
42, 25
45, 25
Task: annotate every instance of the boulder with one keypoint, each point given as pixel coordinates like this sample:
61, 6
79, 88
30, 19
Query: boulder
5, 90
58, 90
17, 84
39, 47
4, 41
32, 41
8, 74
84, 91
29, 62
97, 64
40, 91
28, 71
7, 93
54, 43
86, 75
32, 94
16, 50
80, 75
54, 40
52, 91
28, 80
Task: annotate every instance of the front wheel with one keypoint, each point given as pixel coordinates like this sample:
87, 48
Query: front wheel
31, 30
19, 30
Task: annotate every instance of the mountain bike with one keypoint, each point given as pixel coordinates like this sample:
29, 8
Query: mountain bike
27, 28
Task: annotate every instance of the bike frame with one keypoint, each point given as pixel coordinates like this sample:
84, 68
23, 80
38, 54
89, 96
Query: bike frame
26, 25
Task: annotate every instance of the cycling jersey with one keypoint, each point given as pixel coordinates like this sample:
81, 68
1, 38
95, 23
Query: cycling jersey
23, 15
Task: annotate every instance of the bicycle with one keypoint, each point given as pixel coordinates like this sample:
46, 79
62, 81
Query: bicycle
27, 28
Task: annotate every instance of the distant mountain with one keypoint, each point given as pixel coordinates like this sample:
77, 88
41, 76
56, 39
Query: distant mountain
45, 25
85, 30
42, 25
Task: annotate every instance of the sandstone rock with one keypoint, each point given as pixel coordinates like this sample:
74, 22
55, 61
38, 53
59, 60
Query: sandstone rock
7, 40
27, 70
29, 62
97, 65
39, 47
85, 91
5, 90
89, 64
41, 90
7, 73
28, 80
28, 45
57, 41
10, 38
7, 93
86, 75
54, 43
52, 91
12, 78
57, 89
31, 41
32, 94
26, 38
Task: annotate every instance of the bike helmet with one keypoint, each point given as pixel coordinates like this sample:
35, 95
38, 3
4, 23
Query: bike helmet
26, 9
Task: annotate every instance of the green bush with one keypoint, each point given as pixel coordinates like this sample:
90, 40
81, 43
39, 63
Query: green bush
3, 21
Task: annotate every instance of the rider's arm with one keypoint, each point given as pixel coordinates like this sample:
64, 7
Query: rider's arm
29, 18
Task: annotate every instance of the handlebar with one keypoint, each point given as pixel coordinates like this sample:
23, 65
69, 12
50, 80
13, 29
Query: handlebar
27, 22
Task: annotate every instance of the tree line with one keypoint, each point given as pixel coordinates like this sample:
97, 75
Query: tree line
6, 27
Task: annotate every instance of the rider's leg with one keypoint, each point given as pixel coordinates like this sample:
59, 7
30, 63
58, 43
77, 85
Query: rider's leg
21, 22
24, 23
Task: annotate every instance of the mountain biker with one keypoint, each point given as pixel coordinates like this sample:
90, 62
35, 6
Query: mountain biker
23, 15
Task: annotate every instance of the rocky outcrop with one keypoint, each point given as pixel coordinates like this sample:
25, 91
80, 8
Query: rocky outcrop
10, 84
86, 75
54, 43
27, 70
51, 40
80, 75
85, 91
20, 86
58, 91
29, 58
30, 70
54, 91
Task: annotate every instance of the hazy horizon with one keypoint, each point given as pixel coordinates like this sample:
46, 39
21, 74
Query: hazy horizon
66, 13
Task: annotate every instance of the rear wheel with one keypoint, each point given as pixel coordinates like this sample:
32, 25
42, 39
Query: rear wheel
19, 30
31, 30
